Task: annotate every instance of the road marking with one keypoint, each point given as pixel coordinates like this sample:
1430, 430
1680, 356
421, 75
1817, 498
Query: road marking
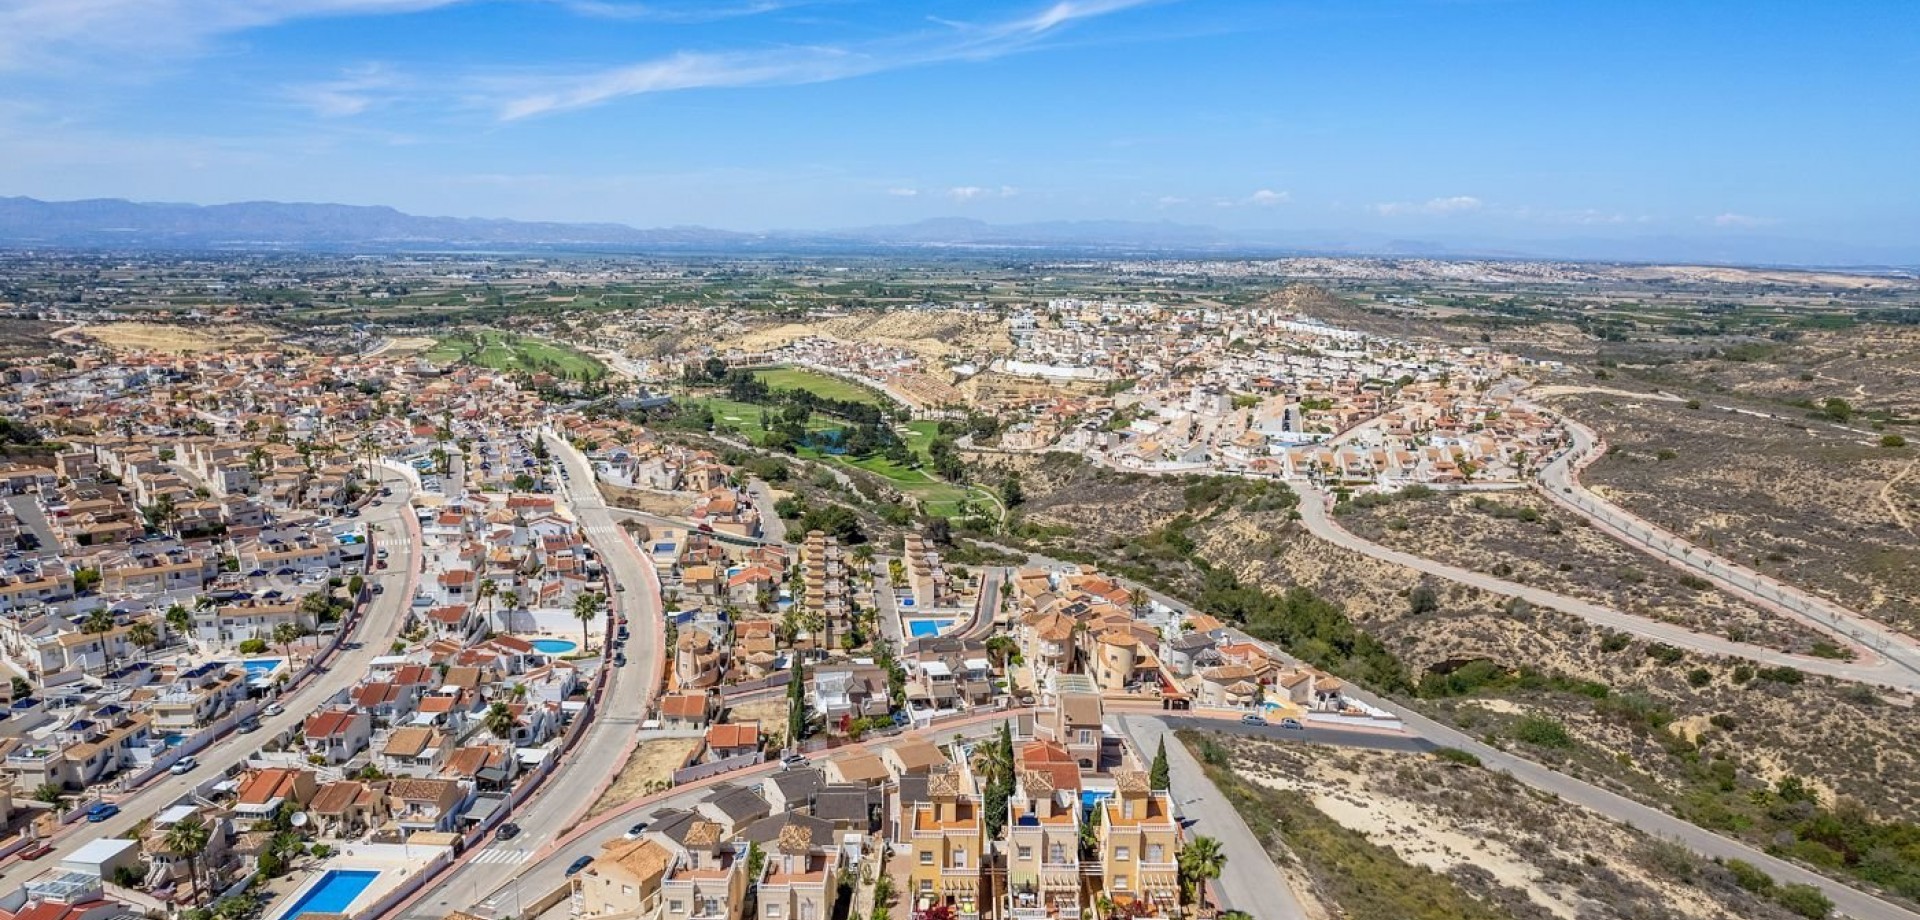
502, 857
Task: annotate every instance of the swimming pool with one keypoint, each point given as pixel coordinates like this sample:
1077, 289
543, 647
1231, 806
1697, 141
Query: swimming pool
335, 891
922, 629
555, 646
260, 667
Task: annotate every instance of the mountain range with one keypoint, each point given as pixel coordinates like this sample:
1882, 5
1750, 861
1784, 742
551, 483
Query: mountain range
112, 223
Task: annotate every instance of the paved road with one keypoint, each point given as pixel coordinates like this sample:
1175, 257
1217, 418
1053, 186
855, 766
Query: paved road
562, 800
1320, 523
373, 636
1249, 881
772, 528
1560, 481
1851, 902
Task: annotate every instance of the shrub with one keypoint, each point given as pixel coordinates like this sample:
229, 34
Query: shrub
1699, 677
1664, 653
1781, 675
1748, 876
1892, 440
1544, 731
1455, 755
1723, 722
252, 646
1805, 900
1615, 641
1742, 673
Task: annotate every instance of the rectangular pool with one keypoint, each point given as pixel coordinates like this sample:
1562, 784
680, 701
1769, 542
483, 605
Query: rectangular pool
922, 629
333, 894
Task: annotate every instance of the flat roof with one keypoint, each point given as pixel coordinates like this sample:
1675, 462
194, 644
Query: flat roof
98, 851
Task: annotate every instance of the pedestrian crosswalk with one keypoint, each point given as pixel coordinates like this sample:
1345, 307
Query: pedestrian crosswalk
502, 857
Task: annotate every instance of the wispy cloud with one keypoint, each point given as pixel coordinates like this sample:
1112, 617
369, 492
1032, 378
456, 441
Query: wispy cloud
62, 33
794, 66
682, 12
965, 193
357, 90
1267, 198
1741, 220
1457, 204
904, 192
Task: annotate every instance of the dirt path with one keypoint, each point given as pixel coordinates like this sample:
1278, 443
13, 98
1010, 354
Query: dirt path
1893, 507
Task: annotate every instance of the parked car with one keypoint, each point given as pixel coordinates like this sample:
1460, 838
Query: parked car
634, 832
620, 660
1293, 724
579, 864
248, 725
1252, 718
794, 760
102, 812
508, 831
183, 766
274, 709
37, 851
379, 588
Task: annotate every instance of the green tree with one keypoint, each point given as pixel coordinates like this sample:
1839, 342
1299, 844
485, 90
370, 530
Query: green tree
20, 688
999, 773
1161, 775
586, 607
179, 619
100, 621
85, 580
1837, 409
50, 793
189, 837
284, 635
797, 703
499, 720
142, 634
1200, 862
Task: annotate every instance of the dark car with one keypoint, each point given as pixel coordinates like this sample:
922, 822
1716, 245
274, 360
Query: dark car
620, 660
509, 830
579, 864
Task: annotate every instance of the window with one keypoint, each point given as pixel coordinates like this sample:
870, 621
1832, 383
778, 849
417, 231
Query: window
676, 907
1122, 854
959, 859
1057, 853
1086, 736
926, 885
926, 857
773, 911
807, 910
1156, 853
1119, 883
626, 890
1026, 853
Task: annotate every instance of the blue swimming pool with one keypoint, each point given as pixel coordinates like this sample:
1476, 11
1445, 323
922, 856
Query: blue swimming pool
922, 629
555, 646
261, 666
335, 891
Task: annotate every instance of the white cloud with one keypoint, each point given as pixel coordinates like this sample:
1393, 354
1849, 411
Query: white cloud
1168, 201
1267, 198
965, 193
903, 192
1741, 220
60, 33
358, 90
1457, 204
793, 66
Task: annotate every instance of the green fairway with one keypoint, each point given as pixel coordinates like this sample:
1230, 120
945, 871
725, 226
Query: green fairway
745, 417
825, 386
506, 352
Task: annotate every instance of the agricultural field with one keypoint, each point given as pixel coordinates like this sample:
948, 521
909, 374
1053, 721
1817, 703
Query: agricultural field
825, 386
507, 352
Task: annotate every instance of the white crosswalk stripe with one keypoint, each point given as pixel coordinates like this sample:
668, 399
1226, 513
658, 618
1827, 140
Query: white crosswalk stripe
502, 857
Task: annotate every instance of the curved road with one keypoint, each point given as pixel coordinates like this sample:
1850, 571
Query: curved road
1560, 481
378, 628
560, 805
1314, 514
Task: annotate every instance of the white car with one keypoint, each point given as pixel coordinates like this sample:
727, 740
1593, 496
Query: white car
183, 766
273, 709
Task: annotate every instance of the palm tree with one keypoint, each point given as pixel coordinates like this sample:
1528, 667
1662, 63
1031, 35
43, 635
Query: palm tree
487, 591
499, 721
284, 635
1138, 597
179, 620
586, 606
142, 634
99, 621
189, 838
1200, 862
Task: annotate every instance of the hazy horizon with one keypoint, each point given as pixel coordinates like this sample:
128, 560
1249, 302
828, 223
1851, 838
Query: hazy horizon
1470, 125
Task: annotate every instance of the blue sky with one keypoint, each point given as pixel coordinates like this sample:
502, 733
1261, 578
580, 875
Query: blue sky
1432, 119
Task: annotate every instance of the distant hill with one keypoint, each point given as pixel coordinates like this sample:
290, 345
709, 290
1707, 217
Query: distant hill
114, 222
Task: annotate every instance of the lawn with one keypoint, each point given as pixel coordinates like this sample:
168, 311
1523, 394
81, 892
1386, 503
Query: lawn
745, 417
507, 352
825, 386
